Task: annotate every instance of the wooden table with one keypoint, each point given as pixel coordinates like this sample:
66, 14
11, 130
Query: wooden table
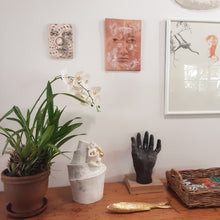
61, 206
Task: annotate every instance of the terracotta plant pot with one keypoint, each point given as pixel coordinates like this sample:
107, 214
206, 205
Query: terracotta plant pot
25, 195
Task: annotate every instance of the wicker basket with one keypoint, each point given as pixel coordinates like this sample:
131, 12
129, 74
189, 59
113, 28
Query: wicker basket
192, 198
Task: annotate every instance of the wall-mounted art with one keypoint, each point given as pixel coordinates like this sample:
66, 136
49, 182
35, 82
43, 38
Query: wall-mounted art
122, 45
192, 82
199, 4
61, 41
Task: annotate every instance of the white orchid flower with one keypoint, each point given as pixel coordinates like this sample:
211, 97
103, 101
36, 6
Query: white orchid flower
96, 90
68, 80
79, 86
78, 76
95, 93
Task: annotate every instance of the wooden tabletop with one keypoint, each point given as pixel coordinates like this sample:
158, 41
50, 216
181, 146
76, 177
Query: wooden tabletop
61, 206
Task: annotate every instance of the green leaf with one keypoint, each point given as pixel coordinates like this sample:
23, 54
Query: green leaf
19, 139
13, 167
38, 124
56, 118
40, 118
30, 164
63, 152
15, 119
10, 139
38, 99
7, 114
63, 141
57, 150
50, 102
28, 117
26, 150
73, 96
5, 147
45, 108
46, 135
64, 131
9, 136
66, 124
69, 122
17, 111
38, 112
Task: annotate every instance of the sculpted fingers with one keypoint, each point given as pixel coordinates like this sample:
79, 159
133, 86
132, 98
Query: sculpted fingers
145, 142
151, 144
158, 148
133, 144
138, 140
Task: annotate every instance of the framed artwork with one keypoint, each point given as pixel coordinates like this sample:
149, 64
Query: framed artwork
60, 41
122, 45
192, 81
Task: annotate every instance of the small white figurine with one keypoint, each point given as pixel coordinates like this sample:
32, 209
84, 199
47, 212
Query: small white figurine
95, 154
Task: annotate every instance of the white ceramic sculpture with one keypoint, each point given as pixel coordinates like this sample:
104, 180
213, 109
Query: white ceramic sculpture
199, 4
87, 173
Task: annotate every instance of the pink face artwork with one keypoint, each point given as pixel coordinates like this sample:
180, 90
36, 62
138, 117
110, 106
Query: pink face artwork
61, 41
122, 44
212, 41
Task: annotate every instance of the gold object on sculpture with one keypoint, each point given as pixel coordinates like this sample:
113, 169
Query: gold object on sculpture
96, 151
127, 207
101, 154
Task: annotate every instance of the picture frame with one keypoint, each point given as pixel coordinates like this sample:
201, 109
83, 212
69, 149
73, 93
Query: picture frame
192, 75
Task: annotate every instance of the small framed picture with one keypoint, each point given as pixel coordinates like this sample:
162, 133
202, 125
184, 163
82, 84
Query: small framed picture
192, 79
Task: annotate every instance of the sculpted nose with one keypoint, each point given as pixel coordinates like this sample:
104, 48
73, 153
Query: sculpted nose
59, 41
124, 50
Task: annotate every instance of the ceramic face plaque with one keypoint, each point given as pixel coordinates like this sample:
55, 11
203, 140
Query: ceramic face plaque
122, 44
61, 41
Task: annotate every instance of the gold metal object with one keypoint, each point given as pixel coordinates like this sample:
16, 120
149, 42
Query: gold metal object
97, 150
101, 154
127, 207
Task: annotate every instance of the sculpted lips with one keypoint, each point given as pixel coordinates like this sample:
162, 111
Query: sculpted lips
62, 49
123, 59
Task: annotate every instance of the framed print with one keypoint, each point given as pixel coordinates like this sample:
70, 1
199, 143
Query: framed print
192, 81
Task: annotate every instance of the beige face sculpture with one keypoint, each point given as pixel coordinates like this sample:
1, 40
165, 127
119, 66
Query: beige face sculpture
61, 41
122, 44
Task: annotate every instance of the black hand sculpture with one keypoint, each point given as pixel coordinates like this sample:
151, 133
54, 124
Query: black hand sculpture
144, 157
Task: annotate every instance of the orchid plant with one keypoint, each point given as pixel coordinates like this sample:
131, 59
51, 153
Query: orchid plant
40, 134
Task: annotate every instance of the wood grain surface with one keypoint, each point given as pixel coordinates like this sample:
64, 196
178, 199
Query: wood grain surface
61, 206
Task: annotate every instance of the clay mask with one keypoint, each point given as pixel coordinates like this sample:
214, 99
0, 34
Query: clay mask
122, 44
61, 41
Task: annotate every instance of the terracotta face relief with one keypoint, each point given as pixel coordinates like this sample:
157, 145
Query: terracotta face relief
122, 44
61, 41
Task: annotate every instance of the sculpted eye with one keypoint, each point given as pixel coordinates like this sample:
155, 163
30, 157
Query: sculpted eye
54, 33
114, 39
131, 40
68, 34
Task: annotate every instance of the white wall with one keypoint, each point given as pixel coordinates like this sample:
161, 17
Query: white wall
131, 101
